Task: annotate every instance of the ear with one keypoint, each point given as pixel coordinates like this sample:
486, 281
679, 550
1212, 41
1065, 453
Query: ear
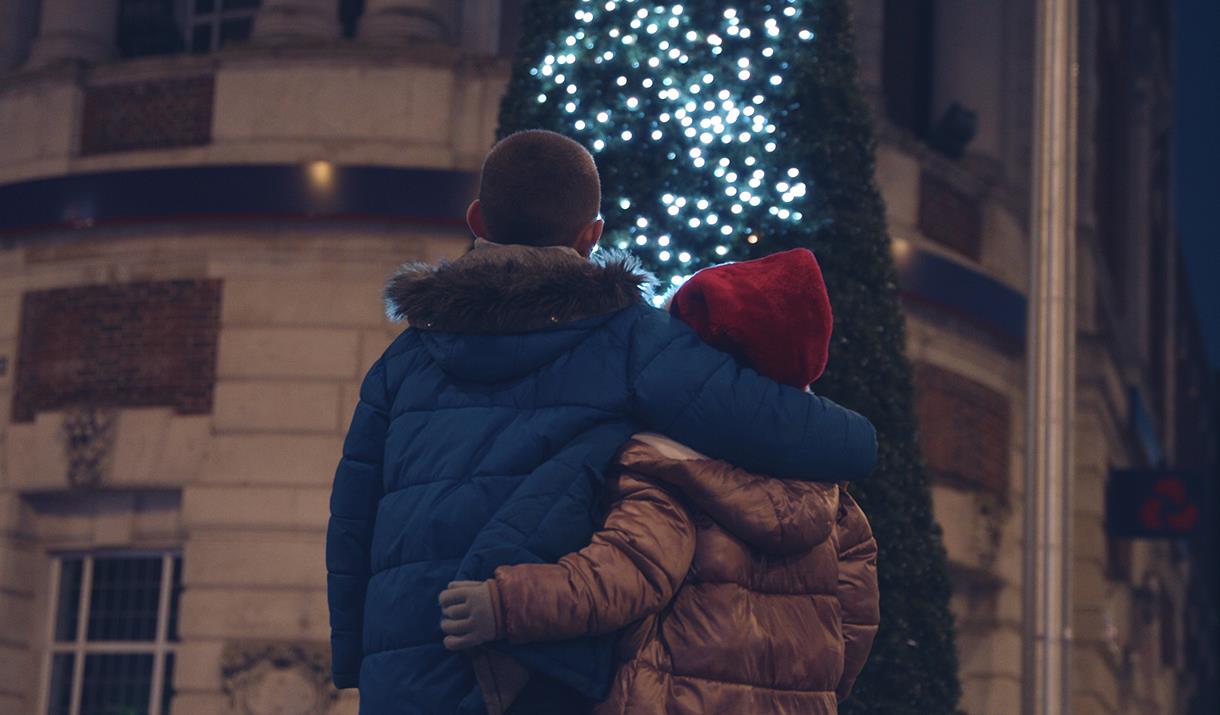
474, 219
589, 237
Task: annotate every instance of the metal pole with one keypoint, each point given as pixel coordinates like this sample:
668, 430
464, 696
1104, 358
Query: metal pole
1051, 367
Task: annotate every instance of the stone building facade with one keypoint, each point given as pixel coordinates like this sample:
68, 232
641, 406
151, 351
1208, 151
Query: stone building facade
200, 201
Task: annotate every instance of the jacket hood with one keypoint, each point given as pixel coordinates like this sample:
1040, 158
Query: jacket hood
775, 516
497, 288
502, 311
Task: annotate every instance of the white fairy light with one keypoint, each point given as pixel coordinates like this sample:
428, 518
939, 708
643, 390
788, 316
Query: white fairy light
675, 63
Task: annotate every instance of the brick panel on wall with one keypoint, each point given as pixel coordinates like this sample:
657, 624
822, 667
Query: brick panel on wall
963, 429
949, 216
155, 114
123, 345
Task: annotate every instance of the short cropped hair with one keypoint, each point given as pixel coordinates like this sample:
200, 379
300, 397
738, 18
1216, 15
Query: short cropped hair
538, 188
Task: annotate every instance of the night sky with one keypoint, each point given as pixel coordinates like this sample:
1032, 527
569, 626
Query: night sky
1198, 158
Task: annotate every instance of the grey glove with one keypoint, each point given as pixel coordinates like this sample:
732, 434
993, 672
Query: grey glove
470, 614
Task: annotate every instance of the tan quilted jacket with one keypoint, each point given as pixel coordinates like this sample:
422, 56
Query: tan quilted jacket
739, 593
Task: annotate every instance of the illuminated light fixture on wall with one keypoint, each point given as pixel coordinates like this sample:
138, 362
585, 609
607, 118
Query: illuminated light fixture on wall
321, 174
900, 248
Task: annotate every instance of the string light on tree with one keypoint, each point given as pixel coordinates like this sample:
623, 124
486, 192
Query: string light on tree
687, 92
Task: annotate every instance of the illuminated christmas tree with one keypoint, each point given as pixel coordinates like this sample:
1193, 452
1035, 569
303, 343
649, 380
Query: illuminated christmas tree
728, 130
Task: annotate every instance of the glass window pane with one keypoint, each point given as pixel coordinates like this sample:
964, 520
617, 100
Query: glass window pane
167, 687
176, 590
124, 599
238, 4
59, 699
201, 39
237, 30
203, 7
116, 684
67, 605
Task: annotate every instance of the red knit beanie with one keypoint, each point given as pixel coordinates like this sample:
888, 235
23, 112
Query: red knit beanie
772, 313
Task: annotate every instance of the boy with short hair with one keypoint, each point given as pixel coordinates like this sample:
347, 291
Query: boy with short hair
484, 432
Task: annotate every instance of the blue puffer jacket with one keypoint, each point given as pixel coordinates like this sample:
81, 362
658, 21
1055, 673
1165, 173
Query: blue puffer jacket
481, 438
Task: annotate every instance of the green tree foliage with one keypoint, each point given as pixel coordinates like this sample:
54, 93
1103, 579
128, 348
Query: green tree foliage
728, 130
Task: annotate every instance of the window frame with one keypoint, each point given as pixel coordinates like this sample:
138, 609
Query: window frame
80, 646
213, 20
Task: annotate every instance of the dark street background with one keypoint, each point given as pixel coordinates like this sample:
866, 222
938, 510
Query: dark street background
1198, 156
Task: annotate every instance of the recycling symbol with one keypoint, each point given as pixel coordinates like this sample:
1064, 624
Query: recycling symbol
1168, 508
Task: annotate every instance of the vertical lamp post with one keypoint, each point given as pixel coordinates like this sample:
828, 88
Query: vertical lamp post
1051, 367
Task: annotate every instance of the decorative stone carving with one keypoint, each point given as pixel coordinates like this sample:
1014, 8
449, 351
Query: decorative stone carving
993, 512
89, 434
277, 678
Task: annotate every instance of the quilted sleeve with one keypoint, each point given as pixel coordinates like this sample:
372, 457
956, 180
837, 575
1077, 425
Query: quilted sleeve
703, 398
857, 590
353, 505
631, 569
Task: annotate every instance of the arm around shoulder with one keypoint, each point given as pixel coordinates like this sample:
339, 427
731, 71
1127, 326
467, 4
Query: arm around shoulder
630, 569
702, 397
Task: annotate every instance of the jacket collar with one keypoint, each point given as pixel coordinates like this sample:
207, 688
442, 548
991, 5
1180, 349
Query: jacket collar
775, 516
497, 288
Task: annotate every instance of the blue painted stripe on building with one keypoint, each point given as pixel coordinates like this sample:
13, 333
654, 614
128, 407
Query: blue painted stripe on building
965, 292
434, 196
246, 191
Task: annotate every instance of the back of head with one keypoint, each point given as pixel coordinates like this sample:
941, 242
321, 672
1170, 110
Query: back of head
538, 188
772, 313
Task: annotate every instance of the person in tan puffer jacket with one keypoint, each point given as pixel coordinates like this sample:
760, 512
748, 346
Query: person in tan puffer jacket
737, 592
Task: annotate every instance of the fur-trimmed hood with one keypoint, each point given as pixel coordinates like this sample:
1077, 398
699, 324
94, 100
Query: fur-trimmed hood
499, 289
